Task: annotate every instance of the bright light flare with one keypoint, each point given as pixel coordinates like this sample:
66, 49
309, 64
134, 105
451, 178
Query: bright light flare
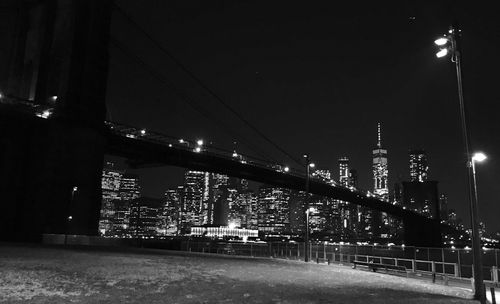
181, 141
199, 142
311, 210
45, 114
479, 157
312, 165
441, 41
197, 150
143, 132
232, 225
442, 53
286, 169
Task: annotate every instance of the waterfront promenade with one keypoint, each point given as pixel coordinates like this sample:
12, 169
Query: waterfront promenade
42, 274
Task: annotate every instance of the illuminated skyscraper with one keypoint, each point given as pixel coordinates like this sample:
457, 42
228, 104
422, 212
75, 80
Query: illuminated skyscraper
110, 185
273, 206
344, 171
380, 169
418, 166
172, 209
195, 200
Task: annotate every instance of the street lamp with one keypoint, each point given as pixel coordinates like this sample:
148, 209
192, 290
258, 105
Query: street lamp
451, 43
308, 166
70, 217
308, 211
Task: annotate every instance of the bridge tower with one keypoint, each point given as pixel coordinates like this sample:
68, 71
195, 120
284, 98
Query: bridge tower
56, 52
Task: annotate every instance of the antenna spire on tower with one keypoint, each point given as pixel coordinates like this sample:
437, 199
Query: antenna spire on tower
379, 142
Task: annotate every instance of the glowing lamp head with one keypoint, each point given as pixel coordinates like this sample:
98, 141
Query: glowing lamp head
143, 132
441, 41
199, 142
286, 169
312, 165
479, 157
198, 149
181, 141
232, 225
442, 53
53, 98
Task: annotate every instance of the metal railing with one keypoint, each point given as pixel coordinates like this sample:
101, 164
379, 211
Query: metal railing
455, 263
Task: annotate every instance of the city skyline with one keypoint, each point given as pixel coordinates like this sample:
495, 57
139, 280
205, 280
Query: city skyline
317, 85
417, 170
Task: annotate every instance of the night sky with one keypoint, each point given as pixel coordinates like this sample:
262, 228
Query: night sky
315, 77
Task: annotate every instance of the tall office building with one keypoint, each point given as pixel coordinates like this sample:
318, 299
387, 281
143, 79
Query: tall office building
273, 205
110, 185
217, 184
247, 203
347, 211
418, 166
146, 217
297, 208
443, 207
129, 187
422, 197
380, 169
172, 210
344, 171
195, 200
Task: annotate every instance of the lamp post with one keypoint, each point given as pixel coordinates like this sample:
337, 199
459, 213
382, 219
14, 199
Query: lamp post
308, 166
451, 43
70, 217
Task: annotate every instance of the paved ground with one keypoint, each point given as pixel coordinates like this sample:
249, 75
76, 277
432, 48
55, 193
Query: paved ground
30, 274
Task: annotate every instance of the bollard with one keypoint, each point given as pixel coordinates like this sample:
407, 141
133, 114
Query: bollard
493, 300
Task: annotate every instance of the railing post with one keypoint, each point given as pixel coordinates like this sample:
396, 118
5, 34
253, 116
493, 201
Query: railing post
413, 266
442, 259
455, 268
459, 264
493, 298
433, 267
494, 274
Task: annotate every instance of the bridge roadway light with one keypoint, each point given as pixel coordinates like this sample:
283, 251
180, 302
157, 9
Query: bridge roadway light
143, 132
453, 47
286, 169
199, 142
